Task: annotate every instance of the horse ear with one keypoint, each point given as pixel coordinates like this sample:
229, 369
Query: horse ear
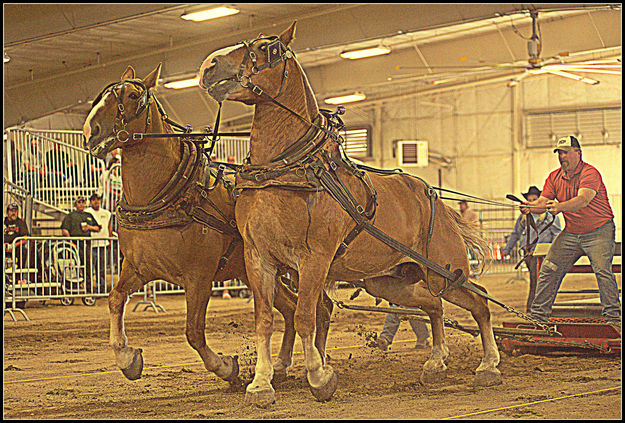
151, 81
129, 73
287, 36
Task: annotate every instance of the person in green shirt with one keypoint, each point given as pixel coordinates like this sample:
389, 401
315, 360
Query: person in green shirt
80, 223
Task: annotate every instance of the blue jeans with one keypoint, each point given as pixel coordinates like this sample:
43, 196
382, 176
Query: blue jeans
565, 250
98, 263
391, 325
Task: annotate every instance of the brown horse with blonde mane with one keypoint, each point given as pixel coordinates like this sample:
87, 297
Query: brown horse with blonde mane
287, 217
163, 180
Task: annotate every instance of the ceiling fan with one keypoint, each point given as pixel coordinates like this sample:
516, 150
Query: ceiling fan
533, 65
554, 65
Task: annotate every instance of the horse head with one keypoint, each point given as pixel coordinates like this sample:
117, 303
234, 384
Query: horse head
228, 72
118, 112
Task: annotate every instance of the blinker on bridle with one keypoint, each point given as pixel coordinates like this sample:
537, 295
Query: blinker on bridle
122, 134
276, 52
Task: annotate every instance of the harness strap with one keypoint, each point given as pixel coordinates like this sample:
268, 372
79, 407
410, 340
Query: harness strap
223, 261
328, 182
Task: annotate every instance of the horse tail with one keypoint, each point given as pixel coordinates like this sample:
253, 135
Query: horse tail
471, 235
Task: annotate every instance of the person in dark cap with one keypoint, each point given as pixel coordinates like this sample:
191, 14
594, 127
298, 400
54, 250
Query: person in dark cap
576, 190
14, 227
545, 231
80, 223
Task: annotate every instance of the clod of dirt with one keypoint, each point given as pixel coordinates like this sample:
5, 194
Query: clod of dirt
12, 367
185, 370
233, 324
370, 337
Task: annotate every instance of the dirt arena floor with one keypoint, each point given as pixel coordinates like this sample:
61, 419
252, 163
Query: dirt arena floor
59, 366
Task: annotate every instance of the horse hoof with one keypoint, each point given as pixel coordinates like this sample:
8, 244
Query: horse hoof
133, 372
325, 392
487, 378
233, 377
432, 376
261, 398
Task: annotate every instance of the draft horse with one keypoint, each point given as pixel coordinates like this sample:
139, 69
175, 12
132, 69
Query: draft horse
176, 221
287, 217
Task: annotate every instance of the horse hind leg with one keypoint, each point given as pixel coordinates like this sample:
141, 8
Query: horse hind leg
401, 289
323, 316
128, 359
487, 373
285, 301
197, 297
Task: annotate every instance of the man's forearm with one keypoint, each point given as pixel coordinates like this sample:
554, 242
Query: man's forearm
574, 204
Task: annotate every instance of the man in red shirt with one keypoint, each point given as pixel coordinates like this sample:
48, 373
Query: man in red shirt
583, 200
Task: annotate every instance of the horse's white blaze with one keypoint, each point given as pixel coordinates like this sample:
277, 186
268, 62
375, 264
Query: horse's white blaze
209, 60
86, 129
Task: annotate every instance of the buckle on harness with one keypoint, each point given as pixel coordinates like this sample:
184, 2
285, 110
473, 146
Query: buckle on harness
257, 90
137, 136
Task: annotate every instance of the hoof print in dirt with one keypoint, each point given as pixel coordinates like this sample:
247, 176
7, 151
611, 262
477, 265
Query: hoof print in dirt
433, 377
133, 372
487, 378
325, 392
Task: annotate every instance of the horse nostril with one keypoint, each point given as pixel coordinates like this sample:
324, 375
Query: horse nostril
205, 78
96, 130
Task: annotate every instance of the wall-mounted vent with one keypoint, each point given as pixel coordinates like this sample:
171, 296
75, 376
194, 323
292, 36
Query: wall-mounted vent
412, 153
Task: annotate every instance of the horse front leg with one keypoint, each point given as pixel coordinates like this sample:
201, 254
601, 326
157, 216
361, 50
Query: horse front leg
322, 379
197, 296
128, 359
261, 275
487, 373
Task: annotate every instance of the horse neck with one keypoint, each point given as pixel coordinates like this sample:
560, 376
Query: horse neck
150, 164
275, 129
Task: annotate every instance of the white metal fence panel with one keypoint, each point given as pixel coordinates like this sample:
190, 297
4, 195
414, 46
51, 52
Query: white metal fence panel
51, 165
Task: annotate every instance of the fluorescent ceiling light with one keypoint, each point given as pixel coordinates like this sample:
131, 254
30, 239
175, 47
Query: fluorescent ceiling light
206, 14
350, 98
365, 52
183, 83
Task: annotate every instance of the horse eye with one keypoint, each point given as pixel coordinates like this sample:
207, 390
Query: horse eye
134, 96
263, 47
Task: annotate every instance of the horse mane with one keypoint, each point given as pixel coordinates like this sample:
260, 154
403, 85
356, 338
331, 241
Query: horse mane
311, 102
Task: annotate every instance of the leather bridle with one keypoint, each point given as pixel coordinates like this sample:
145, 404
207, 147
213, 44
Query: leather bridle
276, 53
121, 121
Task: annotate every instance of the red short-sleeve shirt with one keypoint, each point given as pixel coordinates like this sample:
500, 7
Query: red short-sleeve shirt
562, 188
